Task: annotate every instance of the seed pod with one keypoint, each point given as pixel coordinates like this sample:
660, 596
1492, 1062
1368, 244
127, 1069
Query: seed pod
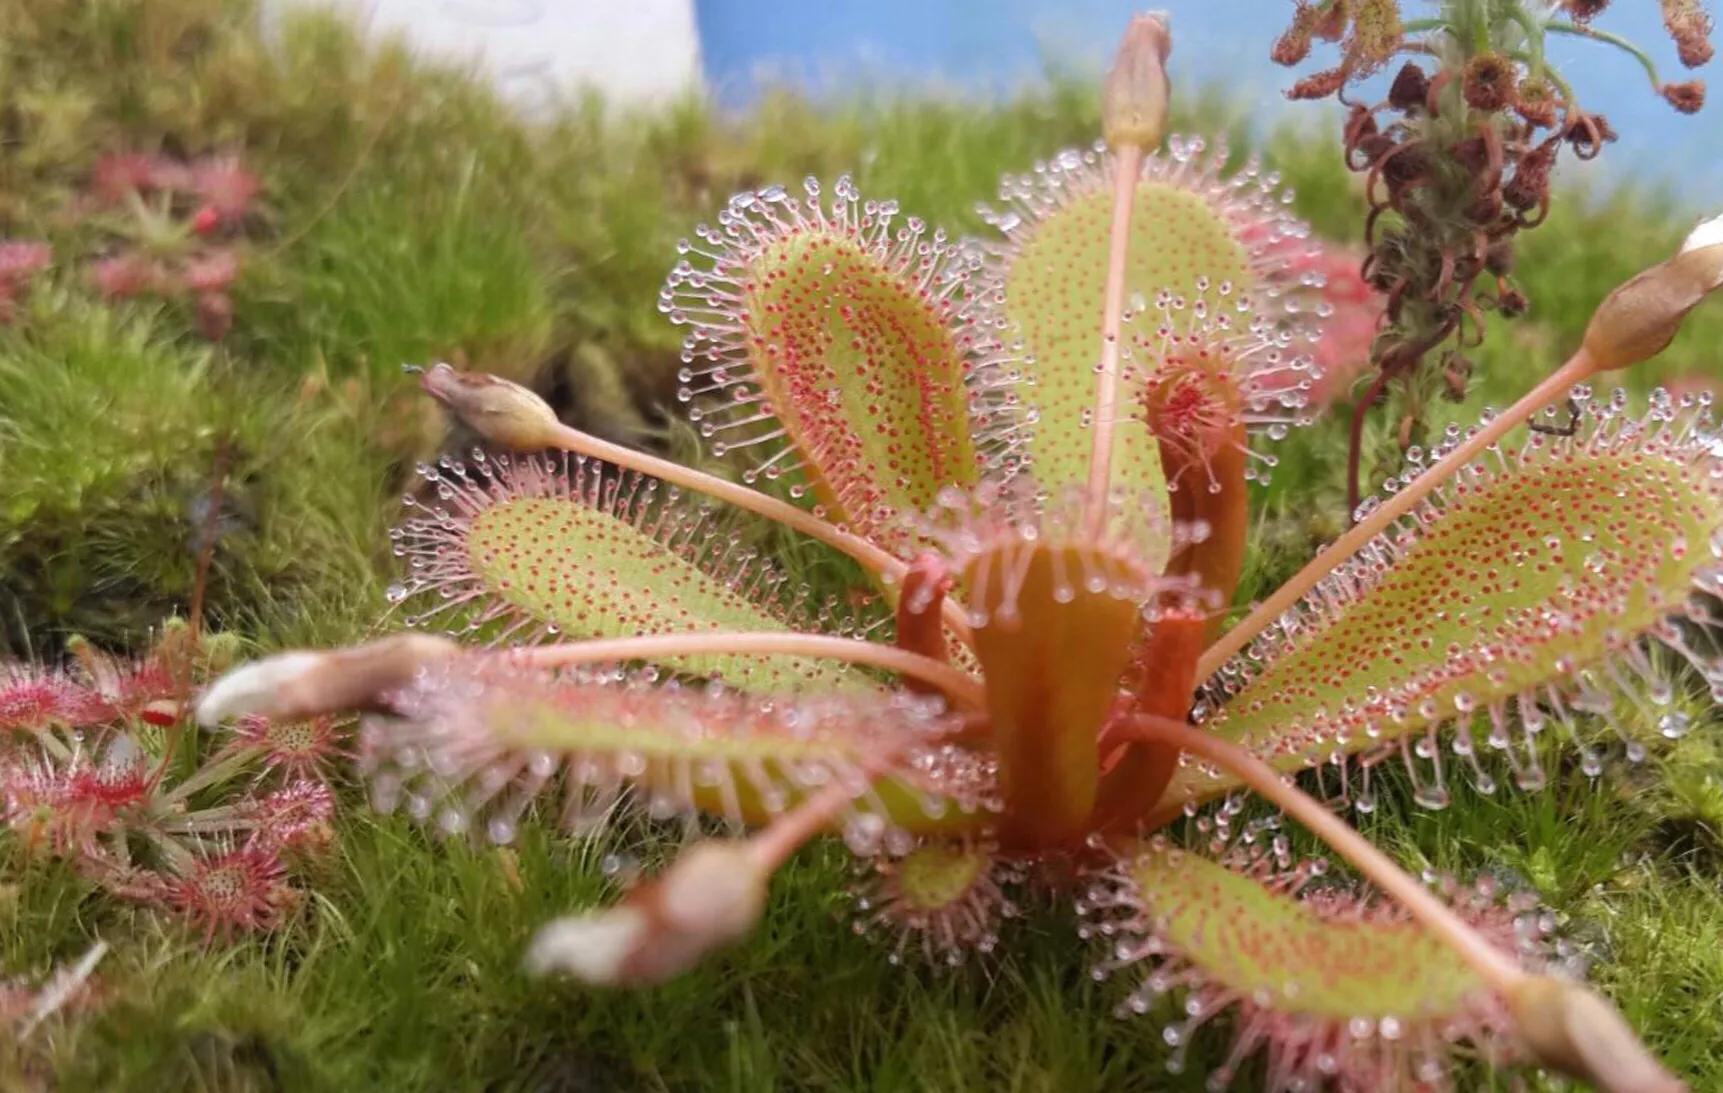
1687, 97
1410, 88
500, 411
1572, 1030
1135, 93
1488, 82
1641, 317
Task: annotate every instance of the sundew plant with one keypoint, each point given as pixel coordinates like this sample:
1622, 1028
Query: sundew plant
1037, 448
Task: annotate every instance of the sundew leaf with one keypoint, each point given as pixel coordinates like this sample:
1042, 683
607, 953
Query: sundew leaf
476, 743
1194, 237
1338, 991
1528, 578
942, 900
523, 547
831, 328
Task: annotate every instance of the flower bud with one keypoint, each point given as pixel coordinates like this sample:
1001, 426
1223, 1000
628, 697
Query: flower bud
1135, 93
502, 412
710, 897
306, 683
1571, 1029
1642, 316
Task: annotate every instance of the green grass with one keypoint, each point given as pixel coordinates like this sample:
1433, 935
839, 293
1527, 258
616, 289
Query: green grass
411, 218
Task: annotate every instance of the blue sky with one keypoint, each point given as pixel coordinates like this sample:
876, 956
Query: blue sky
987, 47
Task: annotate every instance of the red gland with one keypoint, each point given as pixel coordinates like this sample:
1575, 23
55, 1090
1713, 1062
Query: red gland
206, 220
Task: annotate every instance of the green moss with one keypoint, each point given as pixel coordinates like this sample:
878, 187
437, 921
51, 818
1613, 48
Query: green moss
118, 440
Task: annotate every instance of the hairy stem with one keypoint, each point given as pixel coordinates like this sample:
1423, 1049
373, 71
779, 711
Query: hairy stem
1355, 438
1127, 162
1577, 369
1493, 966
1615, 40
871, 557
958, 686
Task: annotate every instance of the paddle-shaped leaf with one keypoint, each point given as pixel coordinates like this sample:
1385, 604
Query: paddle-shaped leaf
1528, 578
1339, 992
474, 742
1198, 245
944, 899
517, 548
825, 335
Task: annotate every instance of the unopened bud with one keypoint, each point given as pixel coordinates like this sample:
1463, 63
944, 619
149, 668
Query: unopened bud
710, 897
1642, 316
306, 683
1135, 94
502, 412
1571, 1029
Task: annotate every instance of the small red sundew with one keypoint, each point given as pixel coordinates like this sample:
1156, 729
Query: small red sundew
227, 891
21, 259
123, 276
227, 190
477, 742
66, 805
117, 175
295, 817
294, 750
211, 271
141, 688
1309, 1048
33, 698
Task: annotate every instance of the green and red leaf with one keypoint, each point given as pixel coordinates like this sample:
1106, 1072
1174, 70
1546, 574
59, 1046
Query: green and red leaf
1532, 575
475, 742
832, 328
523, 548
1336, 990
1195, 238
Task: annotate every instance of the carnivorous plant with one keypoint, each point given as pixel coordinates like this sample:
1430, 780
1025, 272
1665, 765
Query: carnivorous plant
1038, 448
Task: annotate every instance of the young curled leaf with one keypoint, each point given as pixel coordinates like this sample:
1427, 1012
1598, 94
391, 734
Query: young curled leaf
1527, 579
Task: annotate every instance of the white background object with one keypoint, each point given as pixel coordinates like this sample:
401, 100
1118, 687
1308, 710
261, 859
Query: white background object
540, 51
